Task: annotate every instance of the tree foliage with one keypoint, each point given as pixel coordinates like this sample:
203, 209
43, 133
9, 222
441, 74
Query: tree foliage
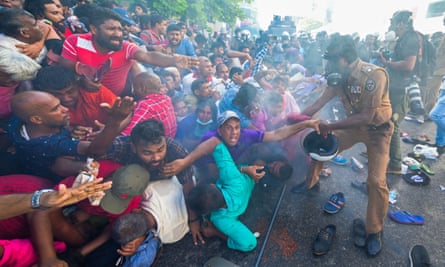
199, 11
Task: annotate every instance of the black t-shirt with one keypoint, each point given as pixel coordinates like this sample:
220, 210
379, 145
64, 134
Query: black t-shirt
406, 46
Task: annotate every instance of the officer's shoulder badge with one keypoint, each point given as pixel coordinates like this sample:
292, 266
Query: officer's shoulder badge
368, 68
370, 85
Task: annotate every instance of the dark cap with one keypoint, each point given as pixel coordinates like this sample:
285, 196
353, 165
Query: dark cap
128, 182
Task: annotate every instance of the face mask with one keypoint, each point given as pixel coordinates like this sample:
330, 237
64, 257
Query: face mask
203, 123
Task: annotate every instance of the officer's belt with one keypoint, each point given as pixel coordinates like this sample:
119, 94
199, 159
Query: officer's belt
382, 126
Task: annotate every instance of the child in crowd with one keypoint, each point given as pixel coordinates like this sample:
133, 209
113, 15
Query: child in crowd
151, 104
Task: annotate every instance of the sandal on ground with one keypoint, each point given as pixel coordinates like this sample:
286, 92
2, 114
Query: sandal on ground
335, 203
324, 240
426, 168
416, 178
359, 232
404, 217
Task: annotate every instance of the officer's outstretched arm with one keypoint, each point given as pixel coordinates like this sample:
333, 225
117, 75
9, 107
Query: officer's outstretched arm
327, 95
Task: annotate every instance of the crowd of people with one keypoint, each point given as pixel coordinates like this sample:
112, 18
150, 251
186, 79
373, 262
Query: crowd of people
181, 126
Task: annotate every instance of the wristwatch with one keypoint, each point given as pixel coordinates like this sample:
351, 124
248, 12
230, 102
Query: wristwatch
35, 198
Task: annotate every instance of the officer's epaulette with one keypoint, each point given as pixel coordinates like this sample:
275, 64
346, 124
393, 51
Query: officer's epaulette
368, 68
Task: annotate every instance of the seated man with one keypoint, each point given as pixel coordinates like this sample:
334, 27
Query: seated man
42, 143
83, 106
226, 200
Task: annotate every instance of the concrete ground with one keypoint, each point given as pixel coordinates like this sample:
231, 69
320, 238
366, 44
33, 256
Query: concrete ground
300, 217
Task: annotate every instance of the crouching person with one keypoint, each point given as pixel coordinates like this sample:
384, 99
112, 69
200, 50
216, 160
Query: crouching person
139, 245
226, 200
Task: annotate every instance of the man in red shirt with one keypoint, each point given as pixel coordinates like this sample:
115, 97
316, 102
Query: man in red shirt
83, 106
106, 41
155, 37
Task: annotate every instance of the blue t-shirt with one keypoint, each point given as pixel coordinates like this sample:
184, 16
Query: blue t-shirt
37, 155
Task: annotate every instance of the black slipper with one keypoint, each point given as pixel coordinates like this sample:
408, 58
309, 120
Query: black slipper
359, 232
324, 240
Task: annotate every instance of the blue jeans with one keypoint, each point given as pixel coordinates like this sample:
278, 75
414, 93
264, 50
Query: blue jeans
437, 115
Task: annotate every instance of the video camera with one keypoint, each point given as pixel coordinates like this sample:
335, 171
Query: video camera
385, 52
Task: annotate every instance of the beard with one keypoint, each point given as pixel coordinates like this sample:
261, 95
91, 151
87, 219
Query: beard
108, 45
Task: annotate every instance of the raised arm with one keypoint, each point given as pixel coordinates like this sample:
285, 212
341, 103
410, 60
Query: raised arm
202, 149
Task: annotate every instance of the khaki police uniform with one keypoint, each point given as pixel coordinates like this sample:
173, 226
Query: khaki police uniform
365, 89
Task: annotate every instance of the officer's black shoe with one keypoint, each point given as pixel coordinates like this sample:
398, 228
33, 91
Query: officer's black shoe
374, 244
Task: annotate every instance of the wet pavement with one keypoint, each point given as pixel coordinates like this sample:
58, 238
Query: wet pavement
301, 216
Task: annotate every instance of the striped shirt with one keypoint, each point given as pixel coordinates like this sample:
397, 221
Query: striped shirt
80, 48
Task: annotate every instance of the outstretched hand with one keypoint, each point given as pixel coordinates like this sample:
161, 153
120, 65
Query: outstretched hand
185, 62
121, 108
67, 196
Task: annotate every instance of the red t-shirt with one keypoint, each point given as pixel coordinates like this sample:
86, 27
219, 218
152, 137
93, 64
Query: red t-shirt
88, 107
80, 47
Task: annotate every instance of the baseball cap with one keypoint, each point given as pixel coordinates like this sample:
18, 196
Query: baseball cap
225, 116
128, 182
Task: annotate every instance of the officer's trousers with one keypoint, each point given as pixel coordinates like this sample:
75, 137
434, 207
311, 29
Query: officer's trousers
377, 143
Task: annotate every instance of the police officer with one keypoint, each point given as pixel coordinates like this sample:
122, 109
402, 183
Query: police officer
363, 89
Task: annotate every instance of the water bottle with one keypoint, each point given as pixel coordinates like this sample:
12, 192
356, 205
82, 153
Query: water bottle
393, 196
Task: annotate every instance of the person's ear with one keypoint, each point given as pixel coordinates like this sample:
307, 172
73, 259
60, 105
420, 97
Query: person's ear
35, 119
24, 32
93, 29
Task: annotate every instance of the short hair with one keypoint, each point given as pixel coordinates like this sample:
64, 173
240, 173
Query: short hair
342, 46
246, 95
213, 58
200, 38
155, 18
135, 4
10, 21
219, 66
54, 78
102, 14
404, 16
173, 27
218, 44
196, 84
204, 198
235, 70
36, 7
165, 73
144, 20
130, 226
24, 68
150, 131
